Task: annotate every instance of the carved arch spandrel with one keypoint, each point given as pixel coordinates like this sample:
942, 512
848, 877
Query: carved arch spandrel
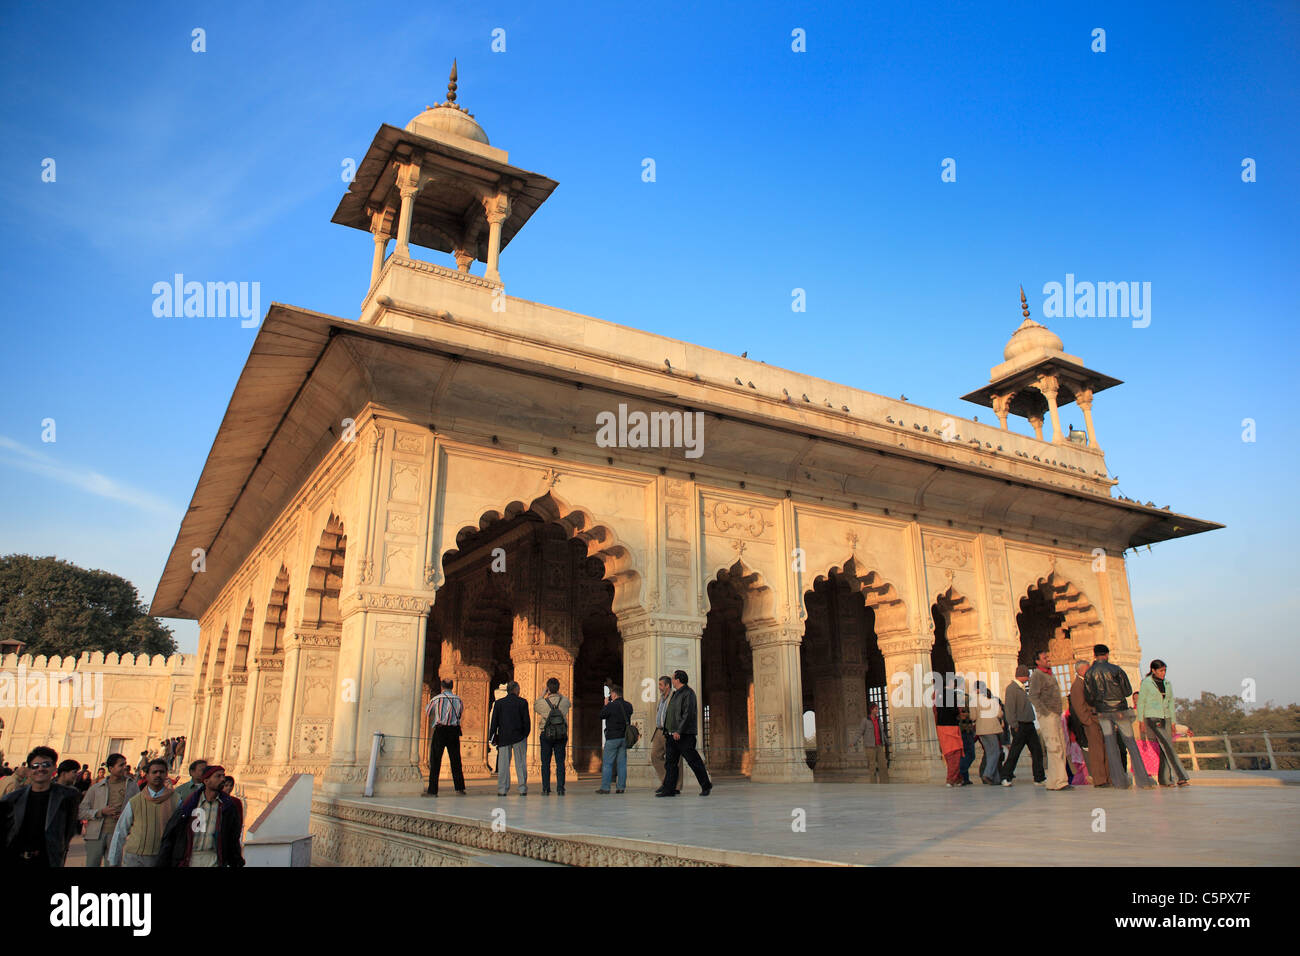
1079, 613
579, 524
880, 595
759, 607
962, 619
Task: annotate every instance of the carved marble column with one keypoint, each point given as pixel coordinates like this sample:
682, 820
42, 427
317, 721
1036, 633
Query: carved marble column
914, 740
381, 227
386, 633
653, 646
497, 210
288, 691
535, 660
1049, 385
778, 703
377, 261
473, 685
1002, 407
247, 718
1037, 422
1083, 398
347, 703
408, 184
229, 738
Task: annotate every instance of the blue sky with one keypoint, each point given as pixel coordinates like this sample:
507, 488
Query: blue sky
775, 170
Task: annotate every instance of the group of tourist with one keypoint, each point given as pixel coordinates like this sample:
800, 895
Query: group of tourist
127, 821
1069, 746
510, 724
144, 819
173, 751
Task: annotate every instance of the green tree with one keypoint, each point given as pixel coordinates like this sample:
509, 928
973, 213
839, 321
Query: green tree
1212, 714
55, 607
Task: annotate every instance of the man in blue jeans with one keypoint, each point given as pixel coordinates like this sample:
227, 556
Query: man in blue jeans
552, 710
1106, 687
617, 714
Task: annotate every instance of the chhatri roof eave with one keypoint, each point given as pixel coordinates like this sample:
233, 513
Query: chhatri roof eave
375, 169
1027, 377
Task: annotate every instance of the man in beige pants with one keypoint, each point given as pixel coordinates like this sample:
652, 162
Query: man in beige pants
1045, 695
657, 742
872, 731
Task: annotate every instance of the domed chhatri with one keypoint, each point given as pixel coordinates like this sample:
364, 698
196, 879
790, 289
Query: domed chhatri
1037, 377
439, 183
447, 117
1031, 336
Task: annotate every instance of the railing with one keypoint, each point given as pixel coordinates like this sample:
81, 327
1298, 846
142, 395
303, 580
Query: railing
1281, 751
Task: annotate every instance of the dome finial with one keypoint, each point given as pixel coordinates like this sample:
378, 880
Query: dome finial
451, 83
1024, 304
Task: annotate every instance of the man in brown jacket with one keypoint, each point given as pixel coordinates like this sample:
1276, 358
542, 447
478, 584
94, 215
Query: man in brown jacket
1087, 716
1045, 695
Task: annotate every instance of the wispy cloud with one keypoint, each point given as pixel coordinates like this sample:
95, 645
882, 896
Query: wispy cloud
85, 479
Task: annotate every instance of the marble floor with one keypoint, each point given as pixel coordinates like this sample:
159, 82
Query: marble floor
915, 825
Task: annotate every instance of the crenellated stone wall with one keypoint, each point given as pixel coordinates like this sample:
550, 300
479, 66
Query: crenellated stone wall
87, 707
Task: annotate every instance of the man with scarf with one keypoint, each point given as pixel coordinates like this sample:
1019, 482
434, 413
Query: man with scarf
1045, 695
205, 829
139, 830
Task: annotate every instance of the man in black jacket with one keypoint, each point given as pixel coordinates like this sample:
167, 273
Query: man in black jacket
680, 724
1107, 689
38, 820
205, 829
617, 714
508, 732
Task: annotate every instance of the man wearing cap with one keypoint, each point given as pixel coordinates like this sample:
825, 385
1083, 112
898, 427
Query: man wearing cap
205, 830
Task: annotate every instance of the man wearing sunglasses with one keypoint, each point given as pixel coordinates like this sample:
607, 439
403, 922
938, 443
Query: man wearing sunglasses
38, 821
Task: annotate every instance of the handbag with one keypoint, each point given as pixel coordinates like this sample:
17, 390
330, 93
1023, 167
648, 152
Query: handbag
631, 735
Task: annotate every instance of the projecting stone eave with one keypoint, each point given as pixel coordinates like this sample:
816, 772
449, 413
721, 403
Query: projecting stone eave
292, 343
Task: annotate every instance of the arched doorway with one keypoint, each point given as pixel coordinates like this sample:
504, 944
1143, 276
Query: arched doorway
1055, 616
842, 670
527, 596
727, 681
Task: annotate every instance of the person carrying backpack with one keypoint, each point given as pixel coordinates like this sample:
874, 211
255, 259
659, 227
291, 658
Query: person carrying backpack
553, 709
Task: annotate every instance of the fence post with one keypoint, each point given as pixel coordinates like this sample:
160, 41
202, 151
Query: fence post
1268, 746
1227, 746
1191, 749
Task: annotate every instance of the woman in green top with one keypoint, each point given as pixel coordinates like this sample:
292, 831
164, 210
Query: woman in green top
1155, 710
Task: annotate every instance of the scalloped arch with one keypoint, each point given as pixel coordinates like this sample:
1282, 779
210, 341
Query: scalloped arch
759, 599
578, 524
880, 595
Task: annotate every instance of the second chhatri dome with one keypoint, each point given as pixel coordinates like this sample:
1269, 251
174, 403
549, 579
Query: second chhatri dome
448, 118
1031, 336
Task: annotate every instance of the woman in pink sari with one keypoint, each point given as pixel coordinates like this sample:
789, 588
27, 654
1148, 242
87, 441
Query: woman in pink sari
1150, 752
1074, 755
